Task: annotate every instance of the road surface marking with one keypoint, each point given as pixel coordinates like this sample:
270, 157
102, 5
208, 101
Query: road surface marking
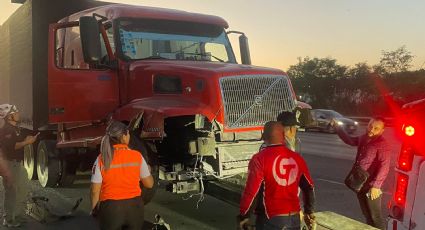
331, 181
339, 183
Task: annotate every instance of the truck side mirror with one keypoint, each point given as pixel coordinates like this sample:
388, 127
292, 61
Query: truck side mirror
244, 47
90, 39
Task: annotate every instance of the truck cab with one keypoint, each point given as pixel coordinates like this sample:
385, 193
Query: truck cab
407, 208
194, 112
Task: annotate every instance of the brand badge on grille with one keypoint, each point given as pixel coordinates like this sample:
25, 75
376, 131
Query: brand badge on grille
258, 100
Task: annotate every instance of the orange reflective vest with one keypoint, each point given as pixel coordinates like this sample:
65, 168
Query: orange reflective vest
121, 180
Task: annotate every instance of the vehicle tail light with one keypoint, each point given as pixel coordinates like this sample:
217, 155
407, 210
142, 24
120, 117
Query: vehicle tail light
405, 159
400, 196
409, 130
401, 189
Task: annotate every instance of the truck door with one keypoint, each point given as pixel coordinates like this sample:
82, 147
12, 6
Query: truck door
418, 212
76, 91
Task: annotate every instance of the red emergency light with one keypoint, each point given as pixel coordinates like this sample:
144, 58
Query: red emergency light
401, 189
405, 159
409, 130
399, 203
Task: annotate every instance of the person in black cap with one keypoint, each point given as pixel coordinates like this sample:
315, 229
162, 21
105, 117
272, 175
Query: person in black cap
290, 123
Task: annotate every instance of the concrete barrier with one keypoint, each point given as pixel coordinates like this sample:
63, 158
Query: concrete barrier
231, 193
333, 221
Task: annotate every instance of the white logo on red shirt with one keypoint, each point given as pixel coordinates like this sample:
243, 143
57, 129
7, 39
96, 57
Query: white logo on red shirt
285, 170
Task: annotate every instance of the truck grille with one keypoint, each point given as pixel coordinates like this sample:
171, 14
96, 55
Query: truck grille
252, 100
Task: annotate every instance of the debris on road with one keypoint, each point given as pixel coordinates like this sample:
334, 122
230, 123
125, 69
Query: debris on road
39, 208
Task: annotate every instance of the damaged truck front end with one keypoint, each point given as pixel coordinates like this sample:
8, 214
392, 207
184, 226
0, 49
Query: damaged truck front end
212, 136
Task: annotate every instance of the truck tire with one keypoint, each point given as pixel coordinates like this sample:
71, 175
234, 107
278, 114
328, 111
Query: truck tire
151, 158
29, 162
48, 164
68, 172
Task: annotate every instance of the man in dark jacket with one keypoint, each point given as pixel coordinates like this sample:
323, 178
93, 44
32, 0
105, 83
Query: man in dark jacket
373, 156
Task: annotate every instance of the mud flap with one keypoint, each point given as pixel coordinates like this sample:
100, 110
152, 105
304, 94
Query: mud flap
40, 209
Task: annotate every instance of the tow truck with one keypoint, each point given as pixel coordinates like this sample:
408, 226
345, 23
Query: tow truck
407, 208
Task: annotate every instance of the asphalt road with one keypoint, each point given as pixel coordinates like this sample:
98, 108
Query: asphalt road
328, 158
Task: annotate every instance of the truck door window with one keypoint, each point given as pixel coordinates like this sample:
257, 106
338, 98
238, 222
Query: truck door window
69, 53
104, 52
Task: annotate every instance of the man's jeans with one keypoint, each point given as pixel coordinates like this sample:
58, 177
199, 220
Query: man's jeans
371, 210
16, 190
291, 222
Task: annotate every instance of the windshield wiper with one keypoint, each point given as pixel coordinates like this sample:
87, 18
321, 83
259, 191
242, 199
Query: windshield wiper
204, 55
218, 59
153, 57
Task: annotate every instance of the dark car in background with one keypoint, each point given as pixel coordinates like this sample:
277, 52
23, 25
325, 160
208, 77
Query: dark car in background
321, 120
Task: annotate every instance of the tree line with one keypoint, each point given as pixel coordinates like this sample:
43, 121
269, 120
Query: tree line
359, 90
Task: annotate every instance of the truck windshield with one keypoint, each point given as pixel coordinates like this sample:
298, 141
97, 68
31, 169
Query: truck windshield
175, 40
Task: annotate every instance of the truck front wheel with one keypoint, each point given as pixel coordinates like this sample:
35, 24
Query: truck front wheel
48, 164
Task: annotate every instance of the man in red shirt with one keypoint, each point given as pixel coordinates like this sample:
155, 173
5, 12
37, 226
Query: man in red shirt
282, 171
373, 156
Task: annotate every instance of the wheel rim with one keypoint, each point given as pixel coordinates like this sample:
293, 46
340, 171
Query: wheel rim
42, 169
29, 160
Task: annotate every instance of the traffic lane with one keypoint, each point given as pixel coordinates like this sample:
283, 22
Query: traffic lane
330, 145
332, 194
331, 148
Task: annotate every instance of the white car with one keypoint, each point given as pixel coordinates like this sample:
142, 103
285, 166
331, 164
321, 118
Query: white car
407, 208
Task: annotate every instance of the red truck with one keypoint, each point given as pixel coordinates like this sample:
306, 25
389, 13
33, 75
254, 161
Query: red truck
172, 76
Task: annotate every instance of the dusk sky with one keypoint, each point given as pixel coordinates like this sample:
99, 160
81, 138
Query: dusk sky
280, 31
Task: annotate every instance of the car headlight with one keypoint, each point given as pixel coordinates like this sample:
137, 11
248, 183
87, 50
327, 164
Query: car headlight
339, 123
356, 123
